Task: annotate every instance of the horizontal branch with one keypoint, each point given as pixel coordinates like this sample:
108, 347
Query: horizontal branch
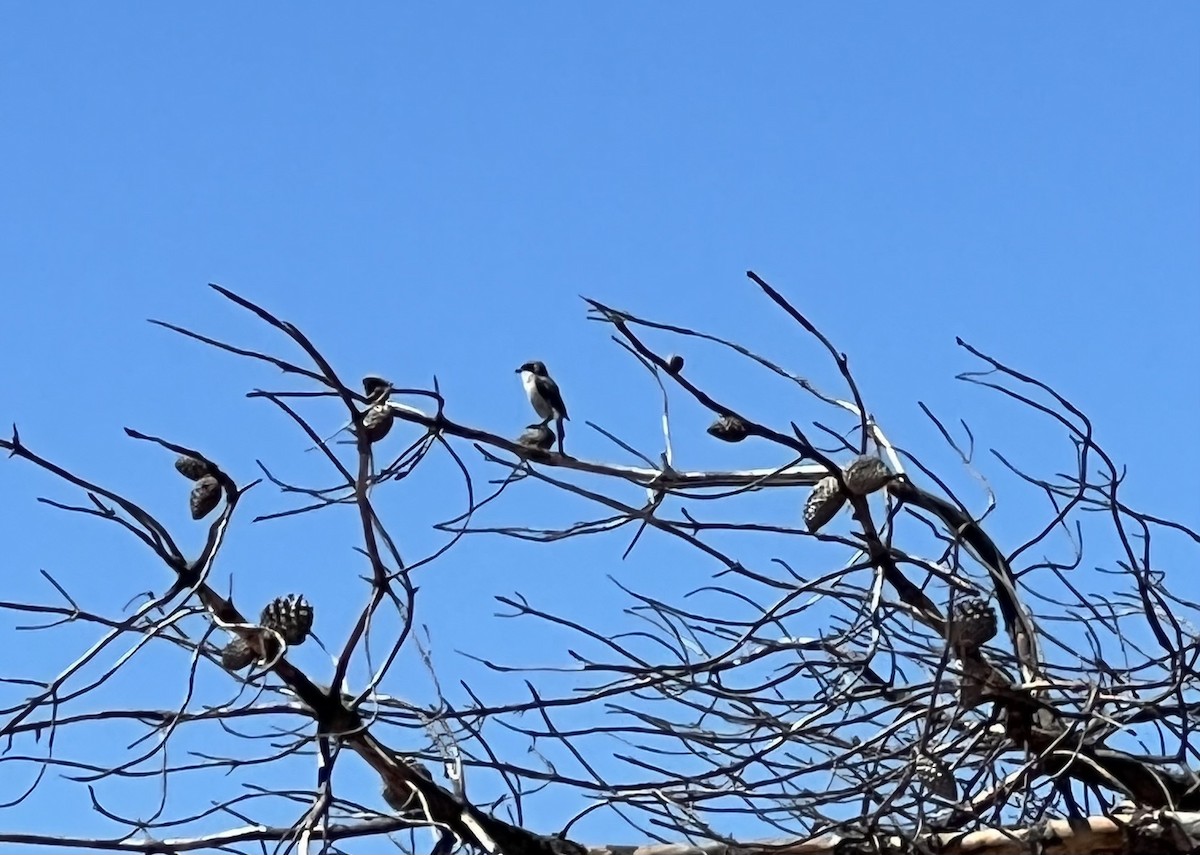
798, 475
1161, 831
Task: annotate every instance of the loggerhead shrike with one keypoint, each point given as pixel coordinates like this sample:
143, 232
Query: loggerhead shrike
544, 396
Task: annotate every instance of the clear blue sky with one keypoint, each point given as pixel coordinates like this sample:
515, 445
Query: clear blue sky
427, 191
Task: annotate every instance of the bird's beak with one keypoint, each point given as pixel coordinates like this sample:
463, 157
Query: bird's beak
517, 371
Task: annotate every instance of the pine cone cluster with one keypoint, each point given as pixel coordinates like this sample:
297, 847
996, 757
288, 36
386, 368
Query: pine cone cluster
206, 492
290, 616
863, 475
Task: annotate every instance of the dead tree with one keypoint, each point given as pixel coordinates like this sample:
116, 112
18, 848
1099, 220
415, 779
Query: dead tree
891, 677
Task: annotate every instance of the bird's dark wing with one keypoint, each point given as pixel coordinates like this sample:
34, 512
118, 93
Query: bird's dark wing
549, 390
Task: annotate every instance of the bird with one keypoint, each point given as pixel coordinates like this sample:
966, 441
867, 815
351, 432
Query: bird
376, 387
544, 396
377, 421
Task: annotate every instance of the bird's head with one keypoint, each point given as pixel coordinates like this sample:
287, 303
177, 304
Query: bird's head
375, 386
538, 369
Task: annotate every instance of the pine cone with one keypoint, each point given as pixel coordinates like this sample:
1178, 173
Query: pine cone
729, 429
237, 654
866, 474
674, 363
205, 496
191, 468
290, 616
972, 625
536, 436
936, 776
377, 422
823, 503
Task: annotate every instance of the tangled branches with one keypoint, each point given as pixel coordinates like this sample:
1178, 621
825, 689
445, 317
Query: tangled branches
927, 680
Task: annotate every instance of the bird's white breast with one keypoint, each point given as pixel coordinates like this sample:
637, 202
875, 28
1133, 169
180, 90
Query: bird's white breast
540, 405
